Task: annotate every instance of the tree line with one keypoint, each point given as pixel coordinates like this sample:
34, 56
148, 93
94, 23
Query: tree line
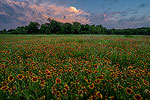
55, 27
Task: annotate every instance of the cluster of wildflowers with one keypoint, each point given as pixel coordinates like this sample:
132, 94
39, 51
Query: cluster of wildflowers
75, 67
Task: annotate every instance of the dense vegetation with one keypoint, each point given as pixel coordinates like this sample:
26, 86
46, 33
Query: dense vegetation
55, 27
74, 67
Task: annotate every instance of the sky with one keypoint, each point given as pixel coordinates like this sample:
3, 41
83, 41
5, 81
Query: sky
117, 14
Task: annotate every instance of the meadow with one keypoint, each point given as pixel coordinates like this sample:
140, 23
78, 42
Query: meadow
74, 67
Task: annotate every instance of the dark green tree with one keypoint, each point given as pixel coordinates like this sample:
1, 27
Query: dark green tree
55, 27
85, 29
33, 28
76, 27
67, 28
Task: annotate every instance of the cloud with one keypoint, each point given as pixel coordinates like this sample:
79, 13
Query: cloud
15, 13
3, 13
73, 9
142, 5
118, 20
63, 2
135, 22
106, 18
58, 12
23, 12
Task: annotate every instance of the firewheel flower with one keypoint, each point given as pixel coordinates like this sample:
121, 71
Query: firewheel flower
137, 97
64, 91
35, 79
10, 78
128, 90
99, 94
58, 80
20, 76
95, 66
4, 88
91, 86
66, 86
112, 98
145, 82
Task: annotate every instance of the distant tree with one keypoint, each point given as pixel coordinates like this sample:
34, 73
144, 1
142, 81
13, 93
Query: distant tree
33, 28
4, 31
21, 30
76, 27
113, 31
85, 29
67, 28
55, 27
92, 29
45, 29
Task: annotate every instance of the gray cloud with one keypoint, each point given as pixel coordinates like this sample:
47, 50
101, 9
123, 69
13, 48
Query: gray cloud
133, 22
22, 12
142, 5
118, 20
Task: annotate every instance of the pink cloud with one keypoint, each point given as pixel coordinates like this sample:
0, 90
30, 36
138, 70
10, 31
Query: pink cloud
148, 19
75, 10
3, 13
71, 13
13, 3
71, 19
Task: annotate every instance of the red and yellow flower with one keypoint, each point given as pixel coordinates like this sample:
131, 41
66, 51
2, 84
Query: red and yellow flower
91, 86
97, 81
4, 88
95, 66
99, 94
120, 86
129, 91
10, 78
64, 91
137, 97
145, 82
35, 79
58, 93
80, 92
48, 77
58, 80
75, 73
66, 87
112, 98
20, 76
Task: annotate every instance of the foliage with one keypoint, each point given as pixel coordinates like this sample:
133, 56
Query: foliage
55, 27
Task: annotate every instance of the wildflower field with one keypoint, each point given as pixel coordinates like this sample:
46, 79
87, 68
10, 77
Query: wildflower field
74, 67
